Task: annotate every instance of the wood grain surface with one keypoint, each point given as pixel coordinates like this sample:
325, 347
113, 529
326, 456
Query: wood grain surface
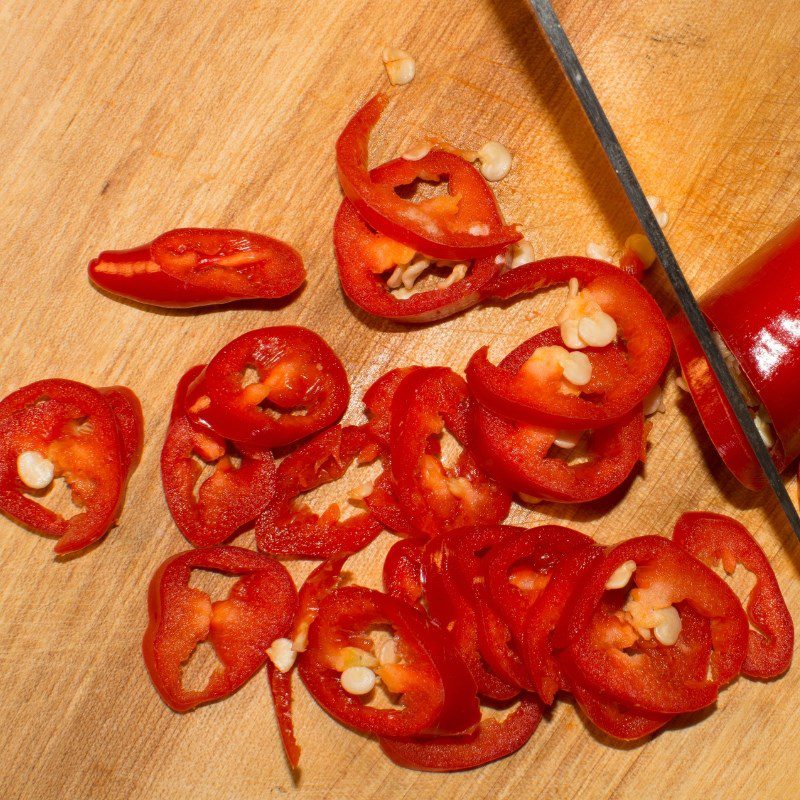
124, 118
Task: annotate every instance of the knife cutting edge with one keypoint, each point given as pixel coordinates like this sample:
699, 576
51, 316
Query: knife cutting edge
560, 44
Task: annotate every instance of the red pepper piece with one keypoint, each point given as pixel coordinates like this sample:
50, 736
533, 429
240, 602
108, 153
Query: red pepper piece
366, 258
280, 685
611, 656
438, 695
231, 497
714, 539
621, 378
259, 609
437, 227
518, 569
449, 606
716, 413
316, 587
543, 617
433, 497
190, 267
494, 739
522, 457
297, 372
289, 529
402, 570
378, 403
74, 427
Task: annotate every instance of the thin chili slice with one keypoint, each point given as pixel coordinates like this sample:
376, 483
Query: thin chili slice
280, 685
72, 426
465, 224
289, 529
525, 457
494, 739
259, 608
628, 376
402, 570
612, 656
301, 387
714, 539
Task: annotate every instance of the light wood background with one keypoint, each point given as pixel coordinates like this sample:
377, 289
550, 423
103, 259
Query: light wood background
124, 118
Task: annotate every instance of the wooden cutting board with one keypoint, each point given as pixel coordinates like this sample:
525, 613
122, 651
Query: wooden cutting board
121, 119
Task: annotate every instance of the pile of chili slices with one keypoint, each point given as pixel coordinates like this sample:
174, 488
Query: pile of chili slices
480, 625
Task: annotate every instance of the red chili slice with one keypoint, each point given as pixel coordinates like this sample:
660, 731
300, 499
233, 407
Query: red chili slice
402, 570
316, 587
190, 267
280, 686
433, 497
494, 739
438, 228
229, 498
301, 388
437, 693
378, 403
714, 539
519, 568
363, 256
522, 458
612, 658
74, 427
625, 377
288, 528
259, 609
448, 605
716, 413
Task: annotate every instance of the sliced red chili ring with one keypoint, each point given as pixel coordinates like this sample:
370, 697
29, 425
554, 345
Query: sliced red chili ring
716, 413
438, 228
259, 608
494, 739
433, 497
524, 457
233, 495
519, 568
289, 529
402, 570
645, 674
72, 426
190, 267
363, 256
378, 403
437, 693
318, 585
622, 378
301, 388
714, 538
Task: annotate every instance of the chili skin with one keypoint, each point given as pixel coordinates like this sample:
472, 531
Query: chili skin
402, 570
628, 380
519, 455
714, 539
666, 680
190, 267
74, 427
287, 528
296, 370
428, 229
260, 608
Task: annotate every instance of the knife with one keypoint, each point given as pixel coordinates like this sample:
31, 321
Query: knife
560, 44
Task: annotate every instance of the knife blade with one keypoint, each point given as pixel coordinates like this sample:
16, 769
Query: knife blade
560, 44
